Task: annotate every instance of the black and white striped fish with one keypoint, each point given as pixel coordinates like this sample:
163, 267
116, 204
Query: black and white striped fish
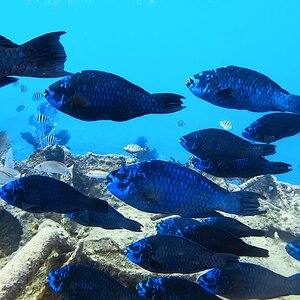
37, 96
23, 88
225, 124
50, 139
41, 119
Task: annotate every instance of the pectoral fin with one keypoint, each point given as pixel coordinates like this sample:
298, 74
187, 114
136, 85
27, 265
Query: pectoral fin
228, 92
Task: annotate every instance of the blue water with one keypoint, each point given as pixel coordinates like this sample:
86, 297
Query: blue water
157, 44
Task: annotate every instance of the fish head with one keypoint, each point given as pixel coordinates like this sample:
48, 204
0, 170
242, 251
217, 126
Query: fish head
254, 132
192, 142
167, 226
58, 279
210, 281
204, 85
13, 193
125, 182
139, 252
60, 93
151, 288
293, 248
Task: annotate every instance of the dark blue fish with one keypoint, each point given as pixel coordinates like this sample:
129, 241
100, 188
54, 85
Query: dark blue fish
39, 194
293, 248
87, 283
250, 281
273, 127
165, 187
172, 288
220, 241
240, 88
242, 167
171, 225
221, 144
96, 95
109, 219
174, 254
233, 226
42, 57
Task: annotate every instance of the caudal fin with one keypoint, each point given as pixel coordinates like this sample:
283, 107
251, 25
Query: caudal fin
263, 149
279, 168
291, 104
45, 56
167, 103
244, 203
7, 80
227, 261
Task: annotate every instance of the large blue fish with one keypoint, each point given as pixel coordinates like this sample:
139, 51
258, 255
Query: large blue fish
242, 168
249, 281
293, 248
235, 227
172, 288
220, 241
273, 127
108, 219
87, 283
96, 95
219, 144
240, 88
164, 187
43, 56
39, 194
174, 254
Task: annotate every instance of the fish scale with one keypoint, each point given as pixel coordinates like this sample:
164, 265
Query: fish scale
146, 186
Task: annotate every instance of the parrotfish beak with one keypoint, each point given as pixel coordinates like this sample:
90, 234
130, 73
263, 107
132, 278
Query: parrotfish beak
109, 179
182, 141
189, 81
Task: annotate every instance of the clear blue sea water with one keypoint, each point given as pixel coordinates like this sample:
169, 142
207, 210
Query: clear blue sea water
157, 44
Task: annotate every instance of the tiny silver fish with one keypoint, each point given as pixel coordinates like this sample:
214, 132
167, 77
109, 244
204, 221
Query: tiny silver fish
50, 139
54, 167
99, 174
41, 119
135, 149
225, 124
20, 108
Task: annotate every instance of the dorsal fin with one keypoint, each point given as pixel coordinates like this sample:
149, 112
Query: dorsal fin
4, 42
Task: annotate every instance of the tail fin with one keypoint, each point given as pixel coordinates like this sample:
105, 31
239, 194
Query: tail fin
253, 251
7, 80
263, 149
243, 203
279, 168
45, 56
167, 103
291, 104
294, 284
227, 261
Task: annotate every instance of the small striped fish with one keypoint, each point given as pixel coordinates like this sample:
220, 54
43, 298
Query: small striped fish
37, 96
50, 139
41, 119
23, 88
225, 124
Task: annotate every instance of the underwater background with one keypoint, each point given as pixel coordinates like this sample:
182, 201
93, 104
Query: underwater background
156, 44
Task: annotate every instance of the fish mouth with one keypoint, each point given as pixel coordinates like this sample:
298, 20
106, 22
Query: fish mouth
108, 179
189, 82
182, 141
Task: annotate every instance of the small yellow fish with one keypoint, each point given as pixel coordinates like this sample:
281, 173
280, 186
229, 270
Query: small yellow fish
99, 174
135, 149
54, 167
